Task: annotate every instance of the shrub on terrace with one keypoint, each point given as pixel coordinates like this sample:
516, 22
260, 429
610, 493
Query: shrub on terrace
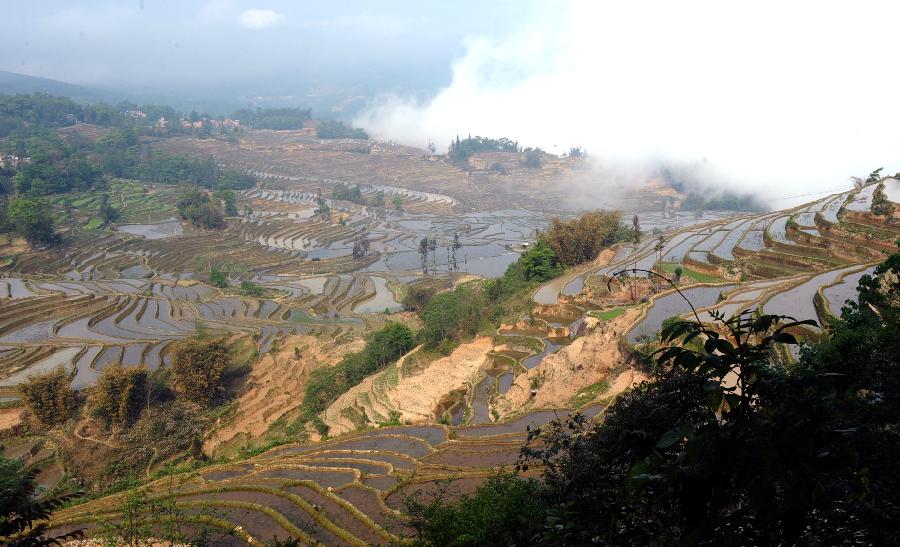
197, 370
32, 219
119, 394
194, 205
581, 239
333, 129
417, 296
448, 317
49, 397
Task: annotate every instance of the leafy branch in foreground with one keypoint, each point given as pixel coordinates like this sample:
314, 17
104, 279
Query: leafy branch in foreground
22, 516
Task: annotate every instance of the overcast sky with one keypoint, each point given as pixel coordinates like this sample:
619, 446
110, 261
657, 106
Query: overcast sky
786, 98
272, 46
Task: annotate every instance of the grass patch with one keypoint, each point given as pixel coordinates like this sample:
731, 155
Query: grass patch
93, 224
687, 272
607, 315
588, 394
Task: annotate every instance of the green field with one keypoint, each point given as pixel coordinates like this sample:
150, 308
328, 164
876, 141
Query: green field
687, 272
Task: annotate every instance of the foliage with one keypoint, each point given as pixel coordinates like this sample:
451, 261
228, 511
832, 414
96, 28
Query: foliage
398, 203
194, 205
322, 207
53, 166
327, 383
348, 193
32, 219
21, 514
533, 157
721, 202
217, 278
162, 430
119, 393
273, 118
448, 317
227, 200
417, 296
123, 156
497, 513
197, 369
106, 211
333, 129
250, 288
538, 264
581, 239
49, 397
461, 150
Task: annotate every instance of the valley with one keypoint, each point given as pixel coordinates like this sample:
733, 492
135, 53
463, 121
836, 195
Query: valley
299, 278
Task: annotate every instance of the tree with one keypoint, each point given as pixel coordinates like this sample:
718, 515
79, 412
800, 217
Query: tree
398, 204
635, 240
49, 397
423, 254
106, 211
217, 278
533, 157
119, 393
416, 296
581, 239
197, 369
228, 200
31, 218
248, 212
322, 207
379, 199
539, 263
450, 316
22, 516
194, 205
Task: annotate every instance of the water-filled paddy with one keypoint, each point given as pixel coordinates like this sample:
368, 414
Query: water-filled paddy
672, 305
383, 299
837, 295
798, 302
160, 230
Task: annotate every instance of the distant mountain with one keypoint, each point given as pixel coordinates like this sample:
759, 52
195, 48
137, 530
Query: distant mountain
12, 83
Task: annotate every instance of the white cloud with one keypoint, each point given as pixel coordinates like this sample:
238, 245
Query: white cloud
256, 19
779, 98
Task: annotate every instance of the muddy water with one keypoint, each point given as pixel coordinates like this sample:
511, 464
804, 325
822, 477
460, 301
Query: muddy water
159, 230
383, 299
61, 358
838, 295
673, 305
550, 346
862, 201
480, 401
798, 302
892, 190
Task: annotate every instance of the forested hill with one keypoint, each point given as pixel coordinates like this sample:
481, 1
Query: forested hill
12, 83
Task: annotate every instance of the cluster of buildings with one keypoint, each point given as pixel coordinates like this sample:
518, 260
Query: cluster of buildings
12, 161
162, 122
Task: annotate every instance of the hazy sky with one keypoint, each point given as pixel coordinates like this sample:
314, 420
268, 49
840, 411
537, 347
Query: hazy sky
269, 46
785, 98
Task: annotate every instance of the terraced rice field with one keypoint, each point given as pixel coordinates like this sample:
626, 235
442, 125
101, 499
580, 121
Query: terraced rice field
346, 491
